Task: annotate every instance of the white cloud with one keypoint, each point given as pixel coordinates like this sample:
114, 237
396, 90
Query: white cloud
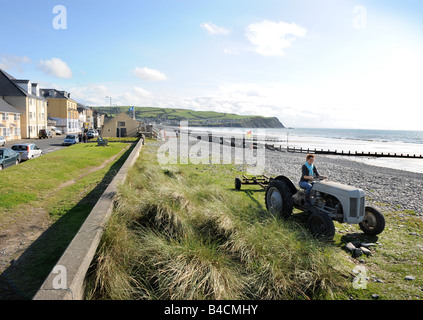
9, 62
149, 74
55, 67
231, 51
236, 48
142, 92
244, 90
95, 95
214, 29
272, 38
92, 94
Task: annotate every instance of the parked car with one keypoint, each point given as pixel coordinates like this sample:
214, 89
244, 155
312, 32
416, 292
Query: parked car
57, 131
70, 139
91, 134
2, 141
27, 151
45, 134
8, 158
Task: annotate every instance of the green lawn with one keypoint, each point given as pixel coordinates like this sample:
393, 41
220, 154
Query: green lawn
31, 180
59, 189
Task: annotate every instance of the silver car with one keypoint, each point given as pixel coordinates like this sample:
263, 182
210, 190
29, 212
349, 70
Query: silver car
70, 139
2, 141
27, 151
57, 131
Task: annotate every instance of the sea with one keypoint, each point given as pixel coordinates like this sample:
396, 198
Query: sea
360, 140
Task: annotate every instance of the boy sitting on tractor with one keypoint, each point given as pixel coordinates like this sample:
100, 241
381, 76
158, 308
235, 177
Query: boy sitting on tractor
309, 174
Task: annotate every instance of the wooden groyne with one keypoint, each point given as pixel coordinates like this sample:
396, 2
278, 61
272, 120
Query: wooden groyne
345, 153
356, 153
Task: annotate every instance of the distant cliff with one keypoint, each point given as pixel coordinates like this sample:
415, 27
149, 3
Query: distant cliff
248, 122
259, 122
170, 116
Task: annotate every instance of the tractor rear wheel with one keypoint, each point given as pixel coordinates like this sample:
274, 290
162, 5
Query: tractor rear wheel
279, 199
321, 226
374, 221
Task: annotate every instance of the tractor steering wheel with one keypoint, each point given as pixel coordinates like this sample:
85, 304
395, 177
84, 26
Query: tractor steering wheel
320, 178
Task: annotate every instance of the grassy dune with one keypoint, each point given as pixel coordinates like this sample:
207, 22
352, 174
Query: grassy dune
182, 232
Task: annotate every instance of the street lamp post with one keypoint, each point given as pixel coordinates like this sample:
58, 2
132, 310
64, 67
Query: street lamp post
110, 98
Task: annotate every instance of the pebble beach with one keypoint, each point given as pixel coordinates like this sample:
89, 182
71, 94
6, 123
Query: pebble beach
397, 189
387, 188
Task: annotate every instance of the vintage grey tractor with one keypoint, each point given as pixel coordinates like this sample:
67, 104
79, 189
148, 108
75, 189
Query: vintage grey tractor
329, 201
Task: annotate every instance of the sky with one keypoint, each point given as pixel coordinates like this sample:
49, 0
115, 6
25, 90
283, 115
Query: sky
312, 64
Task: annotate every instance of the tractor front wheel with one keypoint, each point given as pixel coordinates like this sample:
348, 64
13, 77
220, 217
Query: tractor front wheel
374, 221
321, 226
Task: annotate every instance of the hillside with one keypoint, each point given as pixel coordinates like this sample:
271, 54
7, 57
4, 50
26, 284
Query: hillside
196, 118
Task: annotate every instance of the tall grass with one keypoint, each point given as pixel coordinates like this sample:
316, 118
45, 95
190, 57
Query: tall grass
181, 233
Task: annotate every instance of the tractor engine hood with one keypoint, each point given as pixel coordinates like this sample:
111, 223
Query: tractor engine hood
338, 189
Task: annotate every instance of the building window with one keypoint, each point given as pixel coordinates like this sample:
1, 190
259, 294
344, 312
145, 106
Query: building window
5, 116
16, 117
121, 124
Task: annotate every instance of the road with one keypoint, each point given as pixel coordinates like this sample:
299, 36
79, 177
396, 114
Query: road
46, 145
